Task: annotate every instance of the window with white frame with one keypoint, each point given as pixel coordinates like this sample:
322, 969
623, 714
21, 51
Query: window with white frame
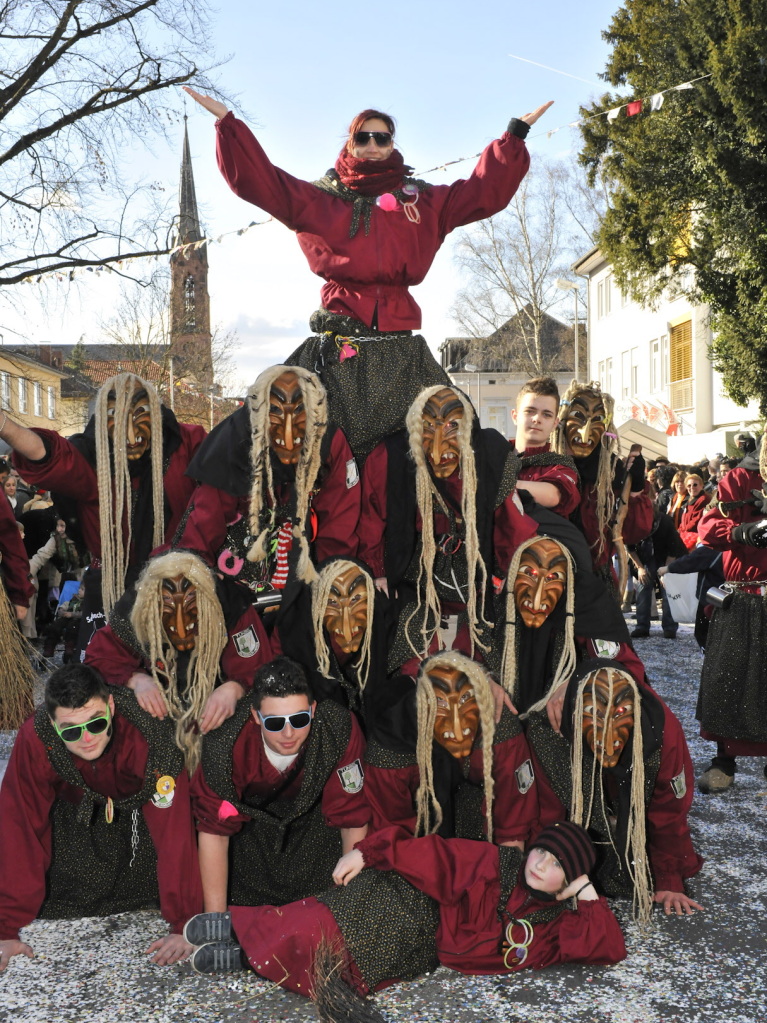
609, 376
604, 296
655, 370
37, 394
22, 394
634, 371
625, 374
601, 375
5, 390
664, 357
51, 402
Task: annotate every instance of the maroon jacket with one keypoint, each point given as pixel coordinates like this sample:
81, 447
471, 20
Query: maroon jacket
669, 844
30, 788
14, 561
255, 777
691, 516
335, 504
464, 878
116, 662
391, 792
511, 527
740, 562
374, 271
636, 526
561, 476
65, 470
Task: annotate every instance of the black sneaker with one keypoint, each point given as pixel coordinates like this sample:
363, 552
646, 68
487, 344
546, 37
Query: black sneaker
218, 957
668, 634
207, 927
640, 634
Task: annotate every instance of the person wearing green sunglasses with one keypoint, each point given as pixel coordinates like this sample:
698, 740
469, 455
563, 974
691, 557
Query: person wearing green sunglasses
95, 815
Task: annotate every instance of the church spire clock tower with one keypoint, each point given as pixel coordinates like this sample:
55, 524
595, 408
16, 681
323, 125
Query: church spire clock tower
190, 336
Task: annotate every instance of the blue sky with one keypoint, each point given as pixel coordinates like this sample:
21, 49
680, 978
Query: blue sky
300, 71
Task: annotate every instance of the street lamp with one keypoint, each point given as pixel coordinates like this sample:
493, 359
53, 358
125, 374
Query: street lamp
569, 286
475, 369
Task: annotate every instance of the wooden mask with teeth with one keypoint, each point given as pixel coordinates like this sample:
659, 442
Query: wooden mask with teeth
608, 717
287, 418
346, 613
540, 581
585, 424
457, 721
441, 416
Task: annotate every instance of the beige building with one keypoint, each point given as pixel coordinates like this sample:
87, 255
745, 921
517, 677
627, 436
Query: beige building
30, 391
492, 370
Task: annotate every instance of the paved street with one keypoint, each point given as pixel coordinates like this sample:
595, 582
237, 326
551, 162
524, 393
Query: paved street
711, 968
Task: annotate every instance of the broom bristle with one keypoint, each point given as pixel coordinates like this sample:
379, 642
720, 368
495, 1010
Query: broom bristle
17, 688
334, 999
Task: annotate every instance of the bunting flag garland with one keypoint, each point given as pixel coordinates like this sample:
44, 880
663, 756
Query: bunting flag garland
70, 275
632, 108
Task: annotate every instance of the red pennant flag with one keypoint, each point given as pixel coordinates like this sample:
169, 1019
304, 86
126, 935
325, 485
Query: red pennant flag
634, 108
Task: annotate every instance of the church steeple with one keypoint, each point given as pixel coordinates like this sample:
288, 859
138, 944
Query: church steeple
190, 335
188, 228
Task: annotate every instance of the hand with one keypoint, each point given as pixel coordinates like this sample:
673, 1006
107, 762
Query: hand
554, 707
500, 697
662, 571
644, 577
676, 902
382, 585
21, 612
348, 867
533, 117
588, 895
170, 949
211, 105
148, 695
220, 705
13, 948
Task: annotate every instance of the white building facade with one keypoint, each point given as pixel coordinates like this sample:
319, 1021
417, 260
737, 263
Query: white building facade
655, 363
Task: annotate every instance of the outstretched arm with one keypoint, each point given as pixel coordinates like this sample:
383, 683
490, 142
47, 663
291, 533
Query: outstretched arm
22, 439
213, 106
529, 118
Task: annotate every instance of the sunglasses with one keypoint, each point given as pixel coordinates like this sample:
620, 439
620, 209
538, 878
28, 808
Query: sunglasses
276, 722
96, 726
381, 138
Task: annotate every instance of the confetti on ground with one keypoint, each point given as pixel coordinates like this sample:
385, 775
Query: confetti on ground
701, 969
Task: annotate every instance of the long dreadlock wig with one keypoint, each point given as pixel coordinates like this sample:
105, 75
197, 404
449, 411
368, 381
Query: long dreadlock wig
427, 803
609, 446
635, 853
568, 657
320, 592
203, 668
262, 497
426, 496
114, 482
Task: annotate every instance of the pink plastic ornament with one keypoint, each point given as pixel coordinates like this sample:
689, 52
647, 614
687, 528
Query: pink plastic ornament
227, 810
387, 202
346, 352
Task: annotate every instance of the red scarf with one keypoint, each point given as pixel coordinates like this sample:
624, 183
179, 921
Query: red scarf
372, 177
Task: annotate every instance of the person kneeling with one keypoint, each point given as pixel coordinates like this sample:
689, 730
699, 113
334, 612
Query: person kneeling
96, 816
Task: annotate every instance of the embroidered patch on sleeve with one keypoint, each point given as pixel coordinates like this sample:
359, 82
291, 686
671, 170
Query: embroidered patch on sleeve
606, 648
352, 777
246, 643
525, 776
352, 474
679, 785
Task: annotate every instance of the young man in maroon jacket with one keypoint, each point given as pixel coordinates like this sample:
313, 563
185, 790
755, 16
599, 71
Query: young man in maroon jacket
551, 479
95, 814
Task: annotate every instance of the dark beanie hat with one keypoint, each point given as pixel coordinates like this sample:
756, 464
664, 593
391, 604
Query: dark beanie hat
571, 845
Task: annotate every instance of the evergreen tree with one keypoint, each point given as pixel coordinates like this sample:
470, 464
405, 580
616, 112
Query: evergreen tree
78, 359
688, 183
